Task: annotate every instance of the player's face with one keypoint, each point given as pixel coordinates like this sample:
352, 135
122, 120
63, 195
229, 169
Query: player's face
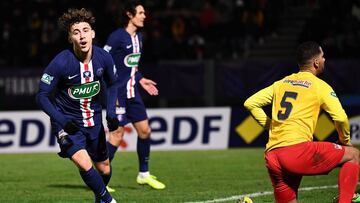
81, 35
139, 18
320, 62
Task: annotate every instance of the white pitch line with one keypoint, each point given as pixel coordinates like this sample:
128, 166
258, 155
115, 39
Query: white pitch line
258, 194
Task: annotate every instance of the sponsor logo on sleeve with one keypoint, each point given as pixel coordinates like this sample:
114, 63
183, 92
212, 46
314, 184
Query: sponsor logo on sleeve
107, 48
83, 91
46, 78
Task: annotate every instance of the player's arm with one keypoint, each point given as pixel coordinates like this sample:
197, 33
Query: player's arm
111, 93
47, 85
332, 105
138, 76
255, 103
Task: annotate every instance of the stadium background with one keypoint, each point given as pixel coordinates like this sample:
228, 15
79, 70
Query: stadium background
206, 53
207, 57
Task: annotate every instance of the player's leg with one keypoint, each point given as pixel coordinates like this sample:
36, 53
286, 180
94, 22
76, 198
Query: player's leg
143, 144
293, 181
315, 158
136, 113
98, 153
329, 156
285, 185
90, 176
92, 150
349, 175
105, 170
143, 150
115, 137
114, 141
74, 148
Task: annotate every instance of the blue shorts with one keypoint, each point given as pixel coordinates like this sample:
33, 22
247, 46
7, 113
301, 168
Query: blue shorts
84, 139
131, 110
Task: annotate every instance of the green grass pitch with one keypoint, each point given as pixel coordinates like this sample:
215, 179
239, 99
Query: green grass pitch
190, 176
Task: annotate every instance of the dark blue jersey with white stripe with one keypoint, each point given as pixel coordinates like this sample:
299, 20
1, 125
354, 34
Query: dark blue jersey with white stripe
126, 52
70, 89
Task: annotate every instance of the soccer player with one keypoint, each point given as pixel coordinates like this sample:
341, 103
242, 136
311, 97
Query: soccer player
125, 46
296, 103
69, 92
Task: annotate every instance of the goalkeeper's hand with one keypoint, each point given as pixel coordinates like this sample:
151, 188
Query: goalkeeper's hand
112, 123
71, 127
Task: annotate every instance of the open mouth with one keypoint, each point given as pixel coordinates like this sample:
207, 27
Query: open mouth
83, 43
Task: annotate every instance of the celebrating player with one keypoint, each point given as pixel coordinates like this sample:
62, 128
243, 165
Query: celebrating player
125, 46
290, 152
69, 92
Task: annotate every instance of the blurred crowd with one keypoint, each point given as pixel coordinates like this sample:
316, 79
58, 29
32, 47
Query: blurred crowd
175, 29
336, 26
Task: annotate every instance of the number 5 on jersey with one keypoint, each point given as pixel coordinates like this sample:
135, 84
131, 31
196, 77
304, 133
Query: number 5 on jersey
287, 105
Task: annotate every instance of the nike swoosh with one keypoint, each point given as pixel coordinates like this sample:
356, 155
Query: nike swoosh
71, 77
129, 46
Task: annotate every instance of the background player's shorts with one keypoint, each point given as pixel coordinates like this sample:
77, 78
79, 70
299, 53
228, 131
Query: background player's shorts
131, 110
91, 139
287, 165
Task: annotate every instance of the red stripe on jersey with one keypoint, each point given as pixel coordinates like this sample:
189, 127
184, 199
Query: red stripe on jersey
86, 101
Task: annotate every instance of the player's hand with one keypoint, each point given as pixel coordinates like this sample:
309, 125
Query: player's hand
112, 123
71, 127
345, 144
349, 144
149, 86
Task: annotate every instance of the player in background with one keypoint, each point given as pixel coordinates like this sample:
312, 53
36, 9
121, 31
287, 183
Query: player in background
69, 93
125, 45
290, 152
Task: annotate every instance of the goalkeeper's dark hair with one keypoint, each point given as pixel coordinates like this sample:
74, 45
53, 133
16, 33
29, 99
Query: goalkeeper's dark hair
73, 16
307, 51
128, 6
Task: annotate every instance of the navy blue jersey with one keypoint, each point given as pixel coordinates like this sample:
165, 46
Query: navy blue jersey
126, 52
76, 86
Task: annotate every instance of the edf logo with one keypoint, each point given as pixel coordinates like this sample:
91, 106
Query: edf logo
177, 132
198, 128
11, 134
172, 129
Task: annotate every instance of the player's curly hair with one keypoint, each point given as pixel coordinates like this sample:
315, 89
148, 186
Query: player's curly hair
73, 16
306, 51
